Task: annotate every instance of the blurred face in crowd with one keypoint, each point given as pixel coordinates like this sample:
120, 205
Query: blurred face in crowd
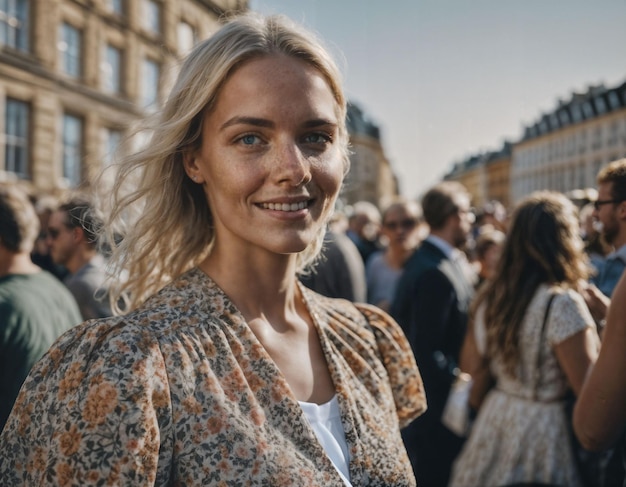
367, 227
61, 238
401, 227
489, 260
607, 213
463, 219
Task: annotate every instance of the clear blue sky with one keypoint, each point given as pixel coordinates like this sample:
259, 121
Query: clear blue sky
445, 79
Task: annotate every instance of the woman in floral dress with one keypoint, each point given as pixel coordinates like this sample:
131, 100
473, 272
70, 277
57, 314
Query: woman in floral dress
226, 370
521, 433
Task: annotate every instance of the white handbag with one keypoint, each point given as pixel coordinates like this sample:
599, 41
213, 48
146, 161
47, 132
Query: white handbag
455, 415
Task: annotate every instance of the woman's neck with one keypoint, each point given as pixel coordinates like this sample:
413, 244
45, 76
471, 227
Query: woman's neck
259, 286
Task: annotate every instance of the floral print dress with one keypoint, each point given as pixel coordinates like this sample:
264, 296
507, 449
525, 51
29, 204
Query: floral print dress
181, 393
521, 433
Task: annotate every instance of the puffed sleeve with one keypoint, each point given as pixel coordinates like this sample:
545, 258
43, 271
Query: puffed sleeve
399, 362
95, 410
569, 315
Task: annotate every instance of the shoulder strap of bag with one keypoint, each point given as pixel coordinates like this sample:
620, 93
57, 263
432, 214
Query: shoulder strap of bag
543, 327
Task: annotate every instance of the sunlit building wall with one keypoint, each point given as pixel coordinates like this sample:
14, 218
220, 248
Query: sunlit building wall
472, 174
75, 73
371, 177
565, 149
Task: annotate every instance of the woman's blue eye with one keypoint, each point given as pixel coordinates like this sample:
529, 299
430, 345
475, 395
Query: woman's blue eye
317, 138
249, 139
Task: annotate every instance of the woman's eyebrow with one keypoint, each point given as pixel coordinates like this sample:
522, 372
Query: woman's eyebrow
318, 122
258, 122
262, 122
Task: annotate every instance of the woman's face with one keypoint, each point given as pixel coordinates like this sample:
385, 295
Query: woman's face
270, 161
401, 227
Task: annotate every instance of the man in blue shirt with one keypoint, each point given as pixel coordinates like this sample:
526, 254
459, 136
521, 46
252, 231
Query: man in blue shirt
610, 211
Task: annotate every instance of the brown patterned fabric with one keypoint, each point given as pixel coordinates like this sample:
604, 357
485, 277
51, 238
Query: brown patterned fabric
181, 392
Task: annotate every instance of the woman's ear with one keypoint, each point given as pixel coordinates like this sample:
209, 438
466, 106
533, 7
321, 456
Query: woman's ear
191, 166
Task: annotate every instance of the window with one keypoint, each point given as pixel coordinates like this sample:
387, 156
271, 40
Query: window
581, 176
112, 69
16, 122
613, 100
152, 16
582, 144
111, 141
597, 165
150, 83
72, 148
596, 143
571, 145
576, 113
600, 105
613, 134
14, 23
186, 37
70, 48
116, 6
554, 121
587, 110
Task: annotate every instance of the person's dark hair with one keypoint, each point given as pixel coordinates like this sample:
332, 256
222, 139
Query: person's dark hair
615, 173
81, 213
543, 246
19, 225
441, 201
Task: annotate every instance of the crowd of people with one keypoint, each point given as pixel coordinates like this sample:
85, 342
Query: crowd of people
225, 324
52, 277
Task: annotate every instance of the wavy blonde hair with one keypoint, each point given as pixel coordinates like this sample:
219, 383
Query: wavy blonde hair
543, 246
160, 224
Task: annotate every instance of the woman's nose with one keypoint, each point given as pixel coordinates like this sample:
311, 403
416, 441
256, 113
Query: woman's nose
292, 165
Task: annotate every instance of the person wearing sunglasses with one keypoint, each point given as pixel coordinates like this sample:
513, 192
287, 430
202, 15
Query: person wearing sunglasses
401, 233
73, 242
431, 304
609, 210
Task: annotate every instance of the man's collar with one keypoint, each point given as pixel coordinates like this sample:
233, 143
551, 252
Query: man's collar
442, 245
618, 254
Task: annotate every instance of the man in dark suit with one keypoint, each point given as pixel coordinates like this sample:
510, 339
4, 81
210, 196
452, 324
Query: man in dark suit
431, 305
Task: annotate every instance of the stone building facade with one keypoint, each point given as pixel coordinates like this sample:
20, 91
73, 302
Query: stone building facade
562, 151
565, 149
371, 177
486, 176
75, 73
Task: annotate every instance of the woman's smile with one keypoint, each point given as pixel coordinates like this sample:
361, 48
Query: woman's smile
270, 160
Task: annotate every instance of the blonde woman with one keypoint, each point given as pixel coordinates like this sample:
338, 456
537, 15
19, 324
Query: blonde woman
535, 337
226, 370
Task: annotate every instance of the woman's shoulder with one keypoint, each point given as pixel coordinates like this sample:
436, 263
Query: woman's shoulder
569, 314
565, 298
378, 340
146, 330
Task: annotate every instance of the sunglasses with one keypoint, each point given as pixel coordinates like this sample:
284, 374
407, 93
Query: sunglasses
405, 224
598, 203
